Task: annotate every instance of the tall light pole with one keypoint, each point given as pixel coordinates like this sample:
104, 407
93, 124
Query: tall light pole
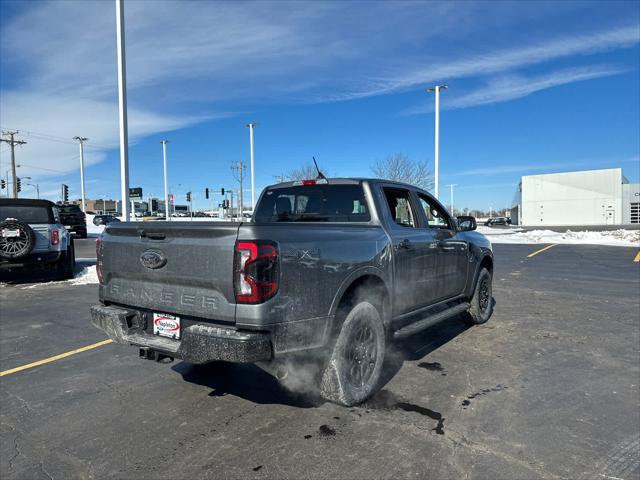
122, 111
81, 141
166, 183
436, 155
253, 184
451, 204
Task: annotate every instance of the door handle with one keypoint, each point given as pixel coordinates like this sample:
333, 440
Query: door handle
444, 246
404, 243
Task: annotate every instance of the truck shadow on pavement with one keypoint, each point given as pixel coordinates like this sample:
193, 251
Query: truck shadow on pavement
246, 381
251, 383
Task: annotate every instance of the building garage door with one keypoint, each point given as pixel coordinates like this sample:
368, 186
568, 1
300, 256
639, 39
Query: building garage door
635, 212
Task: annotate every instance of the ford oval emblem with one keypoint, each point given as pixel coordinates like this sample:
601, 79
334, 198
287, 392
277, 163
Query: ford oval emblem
153, 259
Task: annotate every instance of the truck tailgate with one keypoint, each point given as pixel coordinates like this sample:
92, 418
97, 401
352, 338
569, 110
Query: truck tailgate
171, 267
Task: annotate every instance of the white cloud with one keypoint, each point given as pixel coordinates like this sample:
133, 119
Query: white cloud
65, 117
511, 87
504, 60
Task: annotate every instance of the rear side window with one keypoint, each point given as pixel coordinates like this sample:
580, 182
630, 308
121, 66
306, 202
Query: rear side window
400, 207
26, 213
313, 203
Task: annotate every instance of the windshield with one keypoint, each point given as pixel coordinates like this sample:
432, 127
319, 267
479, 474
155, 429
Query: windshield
26, 213
313, 203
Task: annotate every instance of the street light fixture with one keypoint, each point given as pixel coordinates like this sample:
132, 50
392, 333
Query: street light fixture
436, 155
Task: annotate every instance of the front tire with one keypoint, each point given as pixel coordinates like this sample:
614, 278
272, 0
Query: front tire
481, 307
354, 370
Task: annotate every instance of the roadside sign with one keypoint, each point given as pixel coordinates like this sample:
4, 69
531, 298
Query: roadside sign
171, 198
135, 192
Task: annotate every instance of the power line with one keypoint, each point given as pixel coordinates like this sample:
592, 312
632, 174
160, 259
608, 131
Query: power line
54, 138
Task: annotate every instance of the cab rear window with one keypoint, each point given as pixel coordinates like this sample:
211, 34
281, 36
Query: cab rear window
26, 213
313, 203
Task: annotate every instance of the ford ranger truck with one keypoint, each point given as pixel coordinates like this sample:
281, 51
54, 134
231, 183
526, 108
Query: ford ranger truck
332, 270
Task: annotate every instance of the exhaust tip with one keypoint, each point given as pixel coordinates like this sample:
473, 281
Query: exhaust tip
282, 373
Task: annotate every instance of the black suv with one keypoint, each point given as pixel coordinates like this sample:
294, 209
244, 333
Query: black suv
73, 219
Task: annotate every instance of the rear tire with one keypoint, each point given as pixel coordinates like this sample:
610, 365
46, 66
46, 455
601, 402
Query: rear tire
354, 370
482, 302
67, 263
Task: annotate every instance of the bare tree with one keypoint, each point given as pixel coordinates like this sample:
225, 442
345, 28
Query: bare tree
400, 168
305, 172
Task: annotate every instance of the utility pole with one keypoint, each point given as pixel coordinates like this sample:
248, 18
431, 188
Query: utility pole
166, 184
122, 110
436, 156
238, 170
253, 184
81, 141
13, 142
451, 204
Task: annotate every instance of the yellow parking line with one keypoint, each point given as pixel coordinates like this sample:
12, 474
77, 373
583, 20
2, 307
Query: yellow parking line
637, 259
53, 359
533, 254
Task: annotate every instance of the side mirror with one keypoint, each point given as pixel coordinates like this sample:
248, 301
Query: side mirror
467, 223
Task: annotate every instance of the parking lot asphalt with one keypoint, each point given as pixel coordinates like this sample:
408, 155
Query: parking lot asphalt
548, 388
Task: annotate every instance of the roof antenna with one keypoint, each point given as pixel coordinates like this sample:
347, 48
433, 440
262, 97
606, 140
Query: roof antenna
320, 174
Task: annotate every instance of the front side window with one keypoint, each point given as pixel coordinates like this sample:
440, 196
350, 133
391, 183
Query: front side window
435, 215
400, 207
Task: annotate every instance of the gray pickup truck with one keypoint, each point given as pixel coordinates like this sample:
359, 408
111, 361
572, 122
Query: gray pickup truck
331, 270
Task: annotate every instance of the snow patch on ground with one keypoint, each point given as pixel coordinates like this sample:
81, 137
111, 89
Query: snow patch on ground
86, 276
617, 238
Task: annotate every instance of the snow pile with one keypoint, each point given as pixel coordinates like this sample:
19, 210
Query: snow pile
86, 276
618, 238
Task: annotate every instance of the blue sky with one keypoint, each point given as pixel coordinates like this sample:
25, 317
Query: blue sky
535, 87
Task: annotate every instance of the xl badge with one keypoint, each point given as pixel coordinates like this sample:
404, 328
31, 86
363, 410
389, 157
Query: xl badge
153, 259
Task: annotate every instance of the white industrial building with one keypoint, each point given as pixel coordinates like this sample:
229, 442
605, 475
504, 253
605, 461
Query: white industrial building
592, 197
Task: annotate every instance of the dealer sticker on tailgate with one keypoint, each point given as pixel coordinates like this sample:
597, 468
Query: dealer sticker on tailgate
166, 325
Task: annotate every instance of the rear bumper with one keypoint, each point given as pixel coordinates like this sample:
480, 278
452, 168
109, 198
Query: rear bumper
81, 228
199, 343
33, 260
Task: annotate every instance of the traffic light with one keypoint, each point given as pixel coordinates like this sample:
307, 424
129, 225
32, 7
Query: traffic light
188, 196
225, 204
222, 191
206, 193
3, 184
18, 184
65, 193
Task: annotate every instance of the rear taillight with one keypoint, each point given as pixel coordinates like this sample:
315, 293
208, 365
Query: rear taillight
256, 271
55, 237
99, 248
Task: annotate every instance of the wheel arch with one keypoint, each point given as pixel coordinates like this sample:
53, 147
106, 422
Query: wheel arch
369, 278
